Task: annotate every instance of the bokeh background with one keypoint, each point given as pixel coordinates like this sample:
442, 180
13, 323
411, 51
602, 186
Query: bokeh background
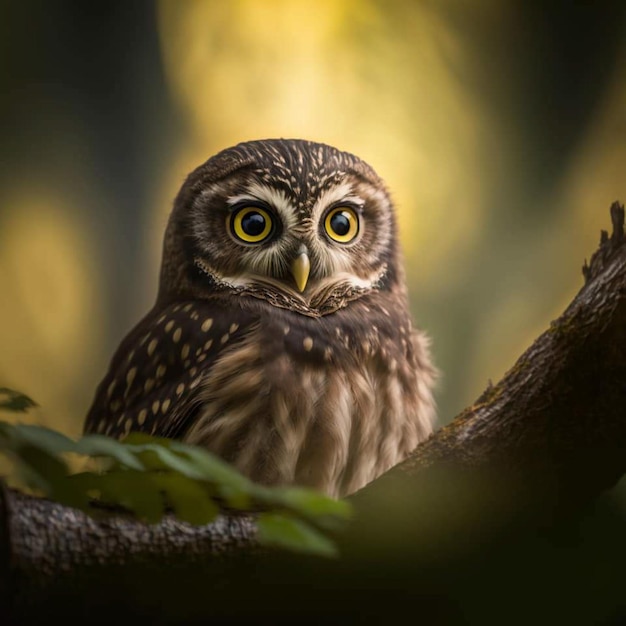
499, 125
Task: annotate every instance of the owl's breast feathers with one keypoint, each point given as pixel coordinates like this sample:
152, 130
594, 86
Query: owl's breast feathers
330, 402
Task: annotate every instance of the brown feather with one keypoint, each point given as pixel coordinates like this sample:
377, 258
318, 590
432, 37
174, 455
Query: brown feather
327, 388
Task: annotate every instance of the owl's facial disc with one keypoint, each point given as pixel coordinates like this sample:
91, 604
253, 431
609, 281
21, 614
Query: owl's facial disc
314, 249
282, 243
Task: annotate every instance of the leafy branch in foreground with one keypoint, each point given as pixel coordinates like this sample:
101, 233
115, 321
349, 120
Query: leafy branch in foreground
14, 401
149, 476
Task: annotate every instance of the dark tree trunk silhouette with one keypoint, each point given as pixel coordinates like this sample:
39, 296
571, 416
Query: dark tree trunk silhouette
524, 464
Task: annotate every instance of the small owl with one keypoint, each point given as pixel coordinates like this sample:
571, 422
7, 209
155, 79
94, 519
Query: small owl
281, 338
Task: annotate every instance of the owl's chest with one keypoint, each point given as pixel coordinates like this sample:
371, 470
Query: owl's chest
306, 408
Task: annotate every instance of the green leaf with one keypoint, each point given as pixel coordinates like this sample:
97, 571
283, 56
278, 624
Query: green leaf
190, 502
193, 462
101, 446
323, 510
232, 486
285, 531
74, 491
39, 468
134, 490
11, 400
149, 475
41, 437
155, 456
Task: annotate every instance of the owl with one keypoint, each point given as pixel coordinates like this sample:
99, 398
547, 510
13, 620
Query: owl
281, 338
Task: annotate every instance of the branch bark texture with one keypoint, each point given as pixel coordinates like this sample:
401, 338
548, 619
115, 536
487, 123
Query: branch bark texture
559, 413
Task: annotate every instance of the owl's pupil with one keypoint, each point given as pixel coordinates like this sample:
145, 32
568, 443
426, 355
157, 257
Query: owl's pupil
253, 224
340, 224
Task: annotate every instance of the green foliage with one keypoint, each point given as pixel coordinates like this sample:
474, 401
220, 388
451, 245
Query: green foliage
290, 532
14, 401
150, 476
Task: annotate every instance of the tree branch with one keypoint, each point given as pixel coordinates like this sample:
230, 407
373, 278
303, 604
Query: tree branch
558, 414
549, 437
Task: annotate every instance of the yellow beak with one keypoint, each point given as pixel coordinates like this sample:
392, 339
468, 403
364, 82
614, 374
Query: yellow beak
300, 268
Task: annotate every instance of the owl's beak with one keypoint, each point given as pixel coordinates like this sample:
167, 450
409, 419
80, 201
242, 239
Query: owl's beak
300, 268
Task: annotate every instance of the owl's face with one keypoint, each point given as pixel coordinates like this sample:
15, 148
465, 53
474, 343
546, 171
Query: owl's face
299, 224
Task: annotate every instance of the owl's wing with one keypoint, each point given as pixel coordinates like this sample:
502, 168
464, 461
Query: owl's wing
153, 382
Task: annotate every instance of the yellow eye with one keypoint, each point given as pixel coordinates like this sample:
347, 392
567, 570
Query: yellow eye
251, 224
342, 224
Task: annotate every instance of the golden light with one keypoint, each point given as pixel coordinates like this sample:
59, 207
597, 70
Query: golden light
49, 319
369, 80
553, 257
397, 83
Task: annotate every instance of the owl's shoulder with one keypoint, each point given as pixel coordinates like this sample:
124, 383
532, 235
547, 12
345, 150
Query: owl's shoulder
160, 363
179, 335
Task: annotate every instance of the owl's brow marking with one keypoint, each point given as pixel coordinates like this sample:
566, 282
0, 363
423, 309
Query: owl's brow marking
276, 198
353, 200
262, 193
335, 195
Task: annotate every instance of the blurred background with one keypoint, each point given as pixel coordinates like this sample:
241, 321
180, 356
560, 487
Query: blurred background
499, 126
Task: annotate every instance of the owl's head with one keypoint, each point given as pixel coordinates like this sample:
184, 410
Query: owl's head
299, 224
